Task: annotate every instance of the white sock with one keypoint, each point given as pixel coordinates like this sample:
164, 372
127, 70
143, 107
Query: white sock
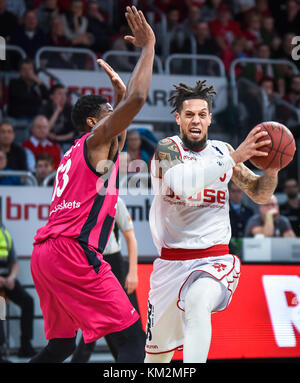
202, 297
166, 357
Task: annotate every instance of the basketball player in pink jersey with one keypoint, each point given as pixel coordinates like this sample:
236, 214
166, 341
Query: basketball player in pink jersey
76, 287
189, 219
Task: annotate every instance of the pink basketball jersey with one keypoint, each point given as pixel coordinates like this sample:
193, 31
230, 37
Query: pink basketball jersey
83, 203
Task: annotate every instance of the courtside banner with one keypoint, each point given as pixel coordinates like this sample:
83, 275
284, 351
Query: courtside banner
156, 107
25, 209
262, 320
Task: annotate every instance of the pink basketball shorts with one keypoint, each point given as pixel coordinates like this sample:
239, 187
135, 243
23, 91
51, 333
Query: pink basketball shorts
72, 295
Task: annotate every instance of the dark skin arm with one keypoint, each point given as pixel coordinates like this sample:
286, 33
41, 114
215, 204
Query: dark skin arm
119, 93
111, 126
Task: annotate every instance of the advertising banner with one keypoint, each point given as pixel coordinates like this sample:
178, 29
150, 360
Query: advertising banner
262, 320
156, 108
25, 209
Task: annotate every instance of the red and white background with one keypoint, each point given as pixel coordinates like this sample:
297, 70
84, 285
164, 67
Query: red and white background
262, 320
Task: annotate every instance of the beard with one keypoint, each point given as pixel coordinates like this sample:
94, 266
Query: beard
194, 145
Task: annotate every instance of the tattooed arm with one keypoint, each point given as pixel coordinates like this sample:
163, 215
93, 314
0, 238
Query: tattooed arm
166, 155
258, 188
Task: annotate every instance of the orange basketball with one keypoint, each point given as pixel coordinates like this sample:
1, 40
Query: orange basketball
281, 149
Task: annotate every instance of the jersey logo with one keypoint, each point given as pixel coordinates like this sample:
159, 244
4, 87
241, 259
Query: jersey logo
217, 149
222, 179
219, 266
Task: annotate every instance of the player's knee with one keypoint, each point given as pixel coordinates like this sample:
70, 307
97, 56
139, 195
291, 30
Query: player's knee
197, 300
165, 357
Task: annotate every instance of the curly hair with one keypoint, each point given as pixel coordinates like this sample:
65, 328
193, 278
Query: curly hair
87, 106
184, 92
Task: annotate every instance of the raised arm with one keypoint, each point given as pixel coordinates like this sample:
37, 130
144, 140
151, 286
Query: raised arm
138, 87
119, 93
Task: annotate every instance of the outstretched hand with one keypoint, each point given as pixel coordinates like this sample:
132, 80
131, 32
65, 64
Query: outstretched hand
117, 83
141, 30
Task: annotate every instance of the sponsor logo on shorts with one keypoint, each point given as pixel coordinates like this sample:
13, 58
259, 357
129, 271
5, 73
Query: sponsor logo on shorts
152, 346
150, 321
219, 266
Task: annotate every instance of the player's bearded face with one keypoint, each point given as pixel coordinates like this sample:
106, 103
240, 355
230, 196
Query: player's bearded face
194, 120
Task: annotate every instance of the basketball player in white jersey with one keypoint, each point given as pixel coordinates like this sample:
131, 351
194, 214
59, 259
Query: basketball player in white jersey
189, 219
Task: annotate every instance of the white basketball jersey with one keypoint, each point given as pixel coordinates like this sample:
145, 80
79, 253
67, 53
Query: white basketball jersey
200, 221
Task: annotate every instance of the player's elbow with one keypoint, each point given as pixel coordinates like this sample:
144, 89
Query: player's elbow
137, 99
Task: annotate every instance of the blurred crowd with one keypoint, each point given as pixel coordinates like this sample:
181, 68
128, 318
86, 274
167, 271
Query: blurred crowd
35, 121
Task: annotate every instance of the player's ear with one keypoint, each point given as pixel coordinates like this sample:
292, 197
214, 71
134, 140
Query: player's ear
91, 122
177, 117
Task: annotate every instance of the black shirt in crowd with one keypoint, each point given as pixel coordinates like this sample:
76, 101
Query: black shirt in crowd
293, 215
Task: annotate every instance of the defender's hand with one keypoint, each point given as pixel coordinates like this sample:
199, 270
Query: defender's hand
250, 147
117, 83
142, 32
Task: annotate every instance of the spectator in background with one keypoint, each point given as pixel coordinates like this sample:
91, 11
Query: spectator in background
76, 25
268, 85
269, 35
262, 8
29, 36
15, 292
171, 40
241, 7
7, 180
205, 45
293, 95
238, 50
26, 93
98, 27
209, 11
58, 37
123, 63
43, 168
289, 20
16, 157
255, 72
252, 31
17, 7
58, 111
39, 143
194, 16
285, 52
46, 13
224, 29
291, 208
239, 215
269, 222
135, 152
8, 21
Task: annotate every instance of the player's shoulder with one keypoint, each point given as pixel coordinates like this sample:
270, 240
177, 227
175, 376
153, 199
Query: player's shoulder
169, 144
168, 140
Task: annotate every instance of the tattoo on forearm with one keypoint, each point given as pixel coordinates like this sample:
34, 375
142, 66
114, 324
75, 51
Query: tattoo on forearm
258, 188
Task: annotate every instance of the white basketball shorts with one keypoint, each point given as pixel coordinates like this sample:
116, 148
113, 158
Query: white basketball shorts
169, 283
